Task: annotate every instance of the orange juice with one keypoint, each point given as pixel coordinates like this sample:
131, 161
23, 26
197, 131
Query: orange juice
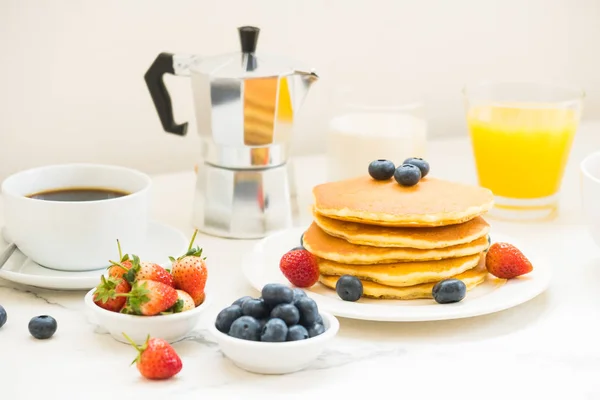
521, 150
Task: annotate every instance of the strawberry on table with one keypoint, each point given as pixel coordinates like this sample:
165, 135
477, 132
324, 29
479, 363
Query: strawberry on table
505, 261
300, 267
149, 298
106, 294
156, 359
190, 273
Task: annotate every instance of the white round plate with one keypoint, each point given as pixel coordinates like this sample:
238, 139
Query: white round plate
163, 241
261, 266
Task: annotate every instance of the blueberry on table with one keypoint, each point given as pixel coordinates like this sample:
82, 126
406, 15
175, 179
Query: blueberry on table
275, 330
349, 288
309, 312
255, 308
226, 317
381, 170
241, 301
3, 316
298, 294
407, 175
42, 327
246, 328
449, 291
419, 163
276, 293
296, 332
316, 330
286, 312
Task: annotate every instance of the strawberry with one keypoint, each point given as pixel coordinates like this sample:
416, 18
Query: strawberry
147, 271
300, 268
187, 301
106, 292
156, 359
505, 261
118, 269
190, 273
149, 298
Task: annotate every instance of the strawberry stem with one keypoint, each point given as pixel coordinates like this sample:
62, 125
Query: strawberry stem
139, 349
192, 241
120, 252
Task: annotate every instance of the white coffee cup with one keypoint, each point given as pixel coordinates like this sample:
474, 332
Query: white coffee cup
590, 193
76, 235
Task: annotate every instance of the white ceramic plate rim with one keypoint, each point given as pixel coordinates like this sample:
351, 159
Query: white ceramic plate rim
72, 280
508, 294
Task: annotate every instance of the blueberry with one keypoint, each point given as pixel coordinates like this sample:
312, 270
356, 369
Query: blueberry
255, 308
319, 320
298, 248
42, 327
381, 170
449, 291
419, 163
287, 312
316, 330
349, 288
309, 312
276, 293
241, 301
226, 317
275, 330
3, 316
296, 332
246, 328
298, 294
407, 175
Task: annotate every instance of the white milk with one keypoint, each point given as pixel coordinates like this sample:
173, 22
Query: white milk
356, 139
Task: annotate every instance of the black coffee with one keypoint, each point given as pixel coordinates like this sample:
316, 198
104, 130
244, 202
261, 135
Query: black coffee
78, 194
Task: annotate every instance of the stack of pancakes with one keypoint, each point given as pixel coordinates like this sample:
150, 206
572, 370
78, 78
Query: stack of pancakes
399, 241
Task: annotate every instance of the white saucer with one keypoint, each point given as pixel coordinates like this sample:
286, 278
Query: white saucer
163, 241
261, 266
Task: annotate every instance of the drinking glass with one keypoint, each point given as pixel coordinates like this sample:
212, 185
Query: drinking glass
364, 129
521, 135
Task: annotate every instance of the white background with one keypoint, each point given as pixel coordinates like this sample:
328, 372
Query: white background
71, 72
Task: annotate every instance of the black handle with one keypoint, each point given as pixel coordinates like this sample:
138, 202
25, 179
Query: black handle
248, 38
163, 64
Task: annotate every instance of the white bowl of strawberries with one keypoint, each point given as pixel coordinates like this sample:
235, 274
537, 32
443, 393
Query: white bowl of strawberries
140, 298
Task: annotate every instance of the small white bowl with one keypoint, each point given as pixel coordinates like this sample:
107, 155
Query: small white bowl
590, 193
276, 358
171, 327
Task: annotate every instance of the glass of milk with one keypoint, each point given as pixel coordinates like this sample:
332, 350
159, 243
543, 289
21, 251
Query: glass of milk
359, 134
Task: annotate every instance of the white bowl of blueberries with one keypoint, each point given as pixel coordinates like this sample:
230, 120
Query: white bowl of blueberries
279, 333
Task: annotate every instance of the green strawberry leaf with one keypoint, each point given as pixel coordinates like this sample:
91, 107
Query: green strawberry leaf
137, 297
105, 291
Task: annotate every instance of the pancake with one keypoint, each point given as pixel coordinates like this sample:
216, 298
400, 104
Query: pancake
322, 245
471, 278
422, 238
431, 202
402, 274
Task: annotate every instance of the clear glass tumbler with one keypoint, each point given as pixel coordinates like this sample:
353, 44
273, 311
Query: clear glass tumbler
521, 134
363, 129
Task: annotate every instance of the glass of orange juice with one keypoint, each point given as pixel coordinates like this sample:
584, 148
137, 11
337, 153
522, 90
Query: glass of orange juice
521, 134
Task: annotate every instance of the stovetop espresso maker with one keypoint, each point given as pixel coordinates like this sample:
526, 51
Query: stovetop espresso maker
245, 105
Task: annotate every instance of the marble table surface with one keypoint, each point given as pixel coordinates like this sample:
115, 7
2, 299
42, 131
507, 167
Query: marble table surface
547, 347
